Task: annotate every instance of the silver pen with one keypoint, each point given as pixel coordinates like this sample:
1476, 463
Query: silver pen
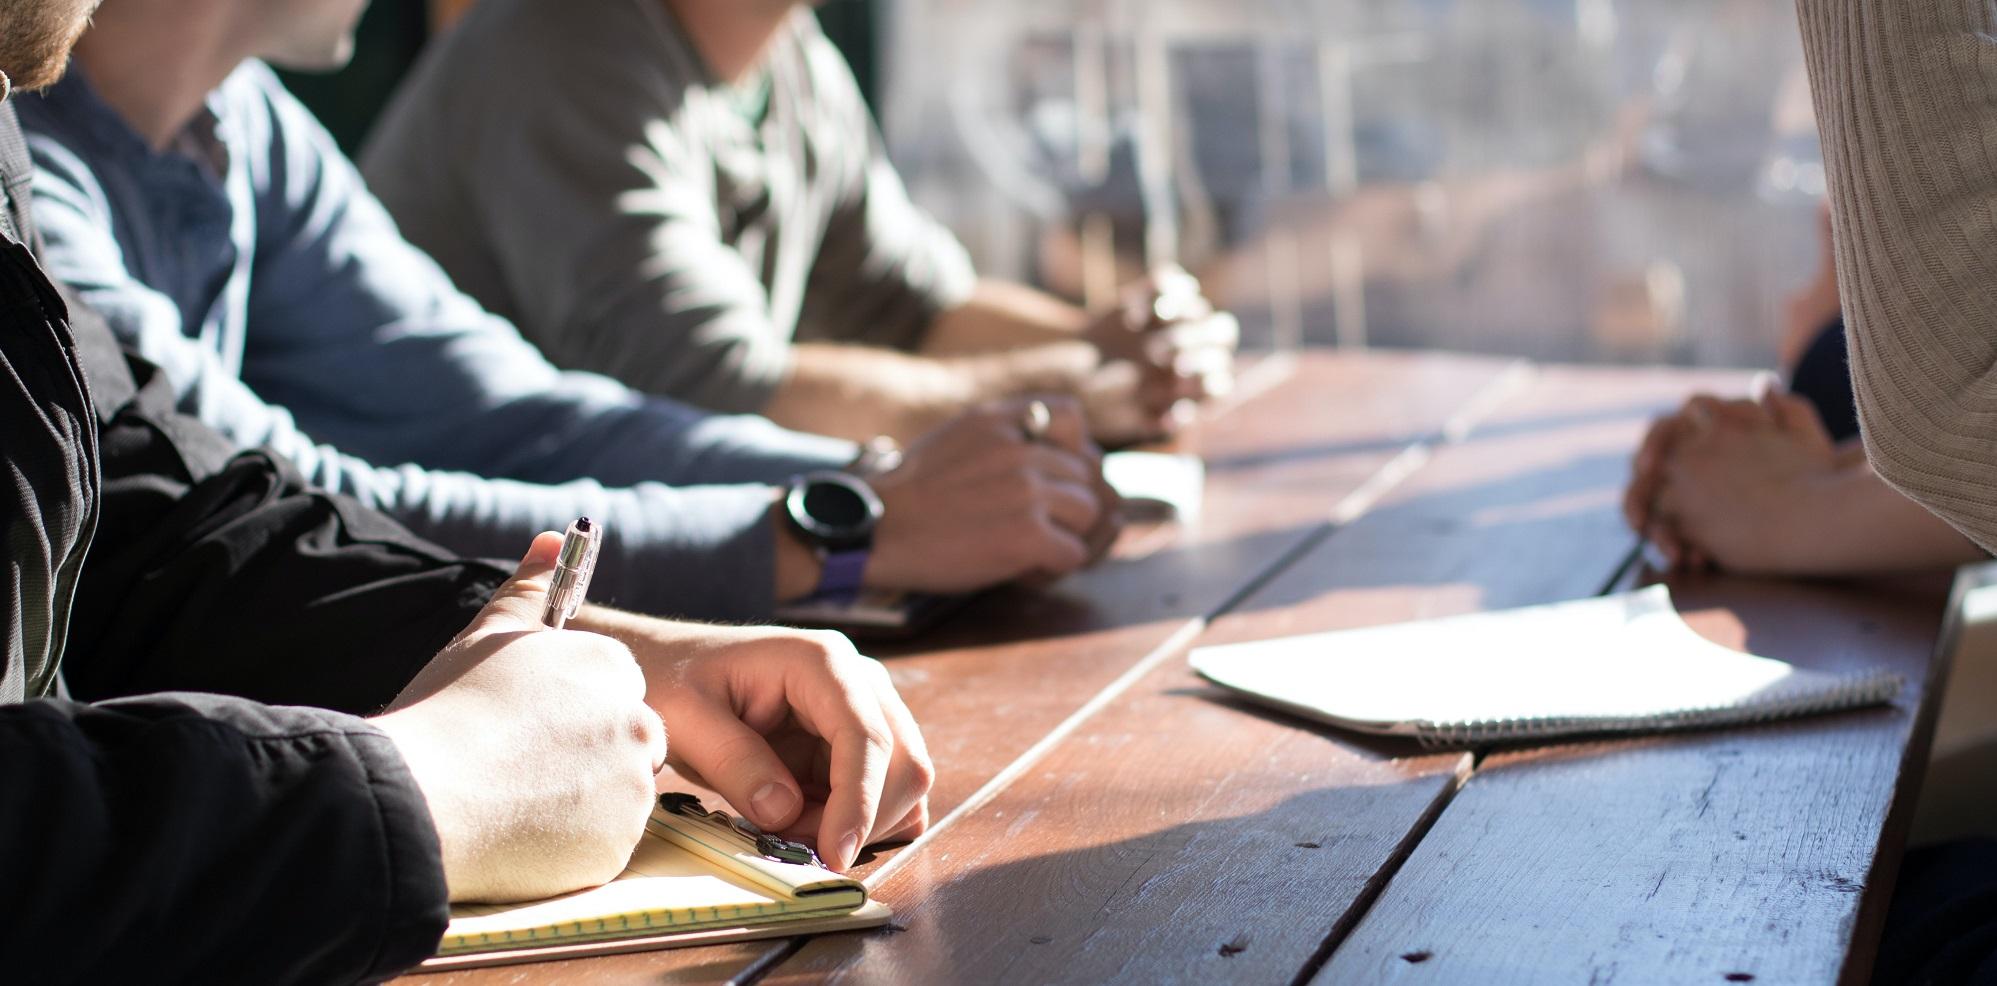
573, 568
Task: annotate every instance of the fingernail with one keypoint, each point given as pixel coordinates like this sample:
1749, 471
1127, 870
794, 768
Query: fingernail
848, 851
772, 804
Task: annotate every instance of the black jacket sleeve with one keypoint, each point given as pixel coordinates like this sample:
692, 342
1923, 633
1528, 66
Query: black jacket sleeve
195, 838
223, 572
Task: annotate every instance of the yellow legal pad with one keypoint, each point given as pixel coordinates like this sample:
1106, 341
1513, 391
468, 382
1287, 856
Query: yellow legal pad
690, 881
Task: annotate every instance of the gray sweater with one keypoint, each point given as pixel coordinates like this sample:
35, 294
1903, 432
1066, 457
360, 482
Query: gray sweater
1906, 94
577, 168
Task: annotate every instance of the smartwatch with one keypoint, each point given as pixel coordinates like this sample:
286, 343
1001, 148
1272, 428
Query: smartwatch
835, 513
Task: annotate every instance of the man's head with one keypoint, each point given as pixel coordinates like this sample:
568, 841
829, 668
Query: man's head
308, 35
36, 35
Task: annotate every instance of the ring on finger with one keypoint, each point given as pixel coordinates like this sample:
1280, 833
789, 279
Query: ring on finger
1037, 422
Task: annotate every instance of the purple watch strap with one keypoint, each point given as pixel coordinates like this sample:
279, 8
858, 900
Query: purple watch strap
840, 579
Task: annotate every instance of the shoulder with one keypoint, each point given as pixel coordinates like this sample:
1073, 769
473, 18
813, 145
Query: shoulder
69, 138
535, 49
824, 79
65, 187
253, 96
570, 78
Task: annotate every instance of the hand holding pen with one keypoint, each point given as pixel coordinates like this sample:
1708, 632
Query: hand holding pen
534, 750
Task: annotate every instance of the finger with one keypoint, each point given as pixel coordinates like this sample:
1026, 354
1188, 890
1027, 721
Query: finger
1646, 471
1073, 506
1163, 387
737, 760
910, 771
518, 602
862, 752
1169, 295
1053, 551
1700, 414
1658, 441
1062, 466
1744, 413
1797, 415
1763, 386
1068, 427
1214, 336
909, 827
658, 738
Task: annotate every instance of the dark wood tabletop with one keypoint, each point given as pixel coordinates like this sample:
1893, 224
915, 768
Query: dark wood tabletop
1103, 815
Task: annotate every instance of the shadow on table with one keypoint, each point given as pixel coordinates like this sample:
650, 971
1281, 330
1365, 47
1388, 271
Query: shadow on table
1534, 536
1532, 530
1250, 898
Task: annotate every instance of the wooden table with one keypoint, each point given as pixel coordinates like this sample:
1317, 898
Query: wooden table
1102, 815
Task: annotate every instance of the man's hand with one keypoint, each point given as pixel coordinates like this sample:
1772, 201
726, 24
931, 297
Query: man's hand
1732, 483
533, 747
1647, 469
977, 503
1163, 348
800, 733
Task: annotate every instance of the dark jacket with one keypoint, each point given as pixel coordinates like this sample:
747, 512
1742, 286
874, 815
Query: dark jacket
150, 832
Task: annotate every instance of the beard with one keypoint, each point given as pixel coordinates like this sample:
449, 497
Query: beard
36, 35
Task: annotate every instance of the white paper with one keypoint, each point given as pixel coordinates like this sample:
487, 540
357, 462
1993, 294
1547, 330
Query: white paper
1618, 662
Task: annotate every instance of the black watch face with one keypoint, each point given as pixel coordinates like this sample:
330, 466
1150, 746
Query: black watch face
835, 509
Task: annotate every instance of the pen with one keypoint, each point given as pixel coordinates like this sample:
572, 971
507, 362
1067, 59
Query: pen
573, 568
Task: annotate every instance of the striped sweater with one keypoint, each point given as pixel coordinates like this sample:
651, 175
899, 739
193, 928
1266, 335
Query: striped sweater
1906, 95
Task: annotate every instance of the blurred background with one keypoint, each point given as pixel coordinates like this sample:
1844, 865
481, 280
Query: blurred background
1577, 180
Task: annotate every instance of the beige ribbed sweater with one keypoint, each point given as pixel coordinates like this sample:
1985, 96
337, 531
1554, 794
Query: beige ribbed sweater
1906, 94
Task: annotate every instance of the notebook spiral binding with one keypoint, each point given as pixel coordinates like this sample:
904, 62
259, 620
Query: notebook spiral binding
1853, 692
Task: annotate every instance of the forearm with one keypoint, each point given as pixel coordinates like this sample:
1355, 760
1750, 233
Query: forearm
1005, 339
1902, 95
1852, 523
1002, 316
859, 392
706, 552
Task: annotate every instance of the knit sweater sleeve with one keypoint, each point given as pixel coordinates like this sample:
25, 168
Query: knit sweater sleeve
1906, 96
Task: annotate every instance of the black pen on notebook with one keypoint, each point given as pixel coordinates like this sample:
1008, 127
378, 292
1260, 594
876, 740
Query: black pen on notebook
573, 568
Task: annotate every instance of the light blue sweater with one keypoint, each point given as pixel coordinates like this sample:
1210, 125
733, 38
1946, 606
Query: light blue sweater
252, 264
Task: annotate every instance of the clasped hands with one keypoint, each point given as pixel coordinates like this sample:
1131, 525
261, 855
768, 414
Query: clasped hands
1164, 348
1732, 484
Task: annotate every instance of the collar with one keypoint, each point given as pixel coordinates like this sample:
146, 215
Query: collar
201, 142
16, 170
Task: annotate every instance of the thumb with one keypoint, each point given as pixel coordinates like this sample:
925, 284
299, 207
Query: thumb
518, 602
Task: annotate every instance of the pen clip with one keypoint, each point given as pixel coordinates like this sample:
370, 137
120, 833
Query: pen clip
770, 847
580, 591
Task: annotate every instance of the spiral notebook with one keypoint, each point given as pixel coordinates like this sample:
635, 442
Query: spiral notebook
694, 879
1616, 664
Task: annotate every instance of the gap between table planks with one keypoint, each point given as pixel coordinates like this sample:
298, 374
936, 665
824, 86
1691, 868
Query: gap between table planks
1284, 467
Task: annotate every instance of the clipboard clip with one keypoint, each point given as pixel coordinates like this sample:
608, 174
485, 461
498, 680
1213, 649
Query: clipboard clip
770, 847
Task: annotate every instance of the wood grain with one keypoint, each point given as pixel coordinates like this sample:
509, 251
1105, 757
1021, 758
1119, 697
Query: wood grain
998, 678
1178, 837
1743, 855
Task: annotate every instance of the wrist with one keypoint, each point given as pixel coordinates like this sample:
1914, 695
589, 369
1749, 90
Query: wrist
798, 568
1814, 504
421, 749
